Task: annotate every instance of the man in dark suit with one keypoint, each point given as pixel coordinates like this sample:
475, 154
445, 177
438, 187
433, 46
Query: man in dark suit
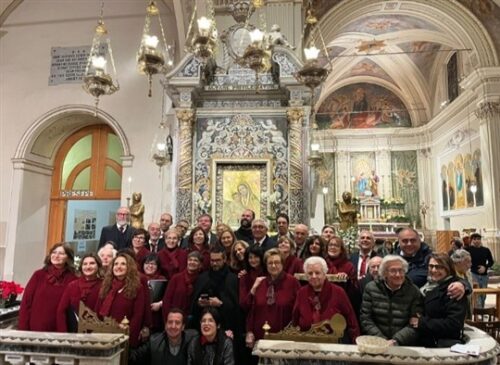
260, 237
283, 223
155, 243
205, 222
360, 259
120, 233
166, 221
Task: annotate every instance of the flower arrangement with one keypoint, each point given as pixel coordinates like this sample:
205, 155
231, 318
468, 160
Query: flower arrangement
10, 288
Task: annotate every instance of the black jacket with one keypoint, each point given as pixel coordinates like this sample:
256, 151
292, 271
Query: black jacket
121, 240
444, 318
417, 265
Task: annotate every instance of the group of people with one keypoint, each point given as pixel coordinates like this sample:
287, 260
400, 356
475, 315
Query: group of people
223, 286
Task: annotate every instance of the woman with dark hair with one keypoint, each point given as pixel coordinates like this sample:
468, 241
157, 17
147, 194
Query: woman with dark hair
122, 295
273, 298
173, 258
150, 266
85, 290
237, 261
227, 240
292, 264
198, 241
212, 347
340, 265
254, 267
442, 323
180, 288
44, 290
139, 246
314, 246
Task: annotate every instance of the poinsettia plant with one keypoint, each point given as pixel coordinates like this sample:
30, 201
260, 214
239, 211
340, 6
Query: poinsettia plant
8, 288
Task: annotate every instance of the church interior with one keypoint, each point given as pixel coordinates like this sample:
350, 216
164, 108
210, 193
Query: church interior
216, 106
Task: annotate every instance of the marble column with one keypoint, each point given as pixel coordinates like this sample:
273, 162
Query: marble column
488, 113
296, 182
184, 196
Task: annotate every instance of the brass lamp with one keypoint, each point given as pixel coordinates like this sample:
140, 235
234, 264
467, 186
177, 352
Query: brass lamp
151, 57
97, 81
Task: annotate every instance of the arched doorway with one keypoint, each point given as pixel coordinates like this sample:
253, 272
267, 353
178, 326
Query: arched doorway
86, 187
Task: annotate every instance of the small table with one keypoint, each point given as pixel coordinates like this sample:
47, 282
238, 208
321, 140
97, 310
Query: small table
479, 291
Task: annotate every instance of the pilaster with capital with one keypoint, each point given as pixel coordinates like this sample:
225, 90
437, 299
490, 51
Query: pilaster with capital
186, 119
488, 114
296, 182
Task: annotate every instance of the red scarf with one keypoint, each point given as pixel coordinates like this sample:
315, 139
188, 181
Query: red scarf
55, 276
172, 258
204, 340
110, 297
334, 263
189, 279
86, 286
271, 288
318, 300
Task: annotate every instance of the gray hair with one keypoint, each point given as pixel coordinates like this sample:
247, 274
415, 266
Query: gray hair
107, 247
459, 255
313, 260
261, 221
391, 258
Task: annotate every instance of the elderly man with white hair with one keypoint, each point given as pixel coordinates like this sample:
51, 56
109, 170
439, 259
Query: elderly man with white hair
260, 237
320, 300
390, 302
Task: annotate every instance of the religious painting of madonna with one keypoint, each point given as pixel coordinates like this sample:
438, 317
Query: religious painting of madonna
240, 187
362, 105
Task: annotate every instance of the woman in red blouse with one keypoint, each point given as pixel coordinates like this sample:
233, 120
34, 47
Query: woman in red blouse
292, 263
320, 300
339, 264
198, 241
273, 298
180, 288
314, 246
85, 289
44, 290
172, 258
139, 247
122, 294
227, 239
254, 262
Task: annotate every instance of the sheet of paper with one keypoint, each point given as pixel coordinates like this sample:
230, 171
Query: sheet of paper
466, 349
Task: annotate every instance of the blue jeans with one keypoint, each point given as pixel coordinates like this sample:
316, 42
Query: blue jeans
482, 280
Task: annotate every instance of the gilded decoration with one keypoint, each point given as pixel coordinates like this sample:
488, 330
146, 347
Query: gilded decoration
240, 186
185, 166
240, 141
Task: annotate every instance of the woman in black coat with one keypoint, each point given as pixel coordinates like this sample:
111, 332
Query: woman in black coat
443, 320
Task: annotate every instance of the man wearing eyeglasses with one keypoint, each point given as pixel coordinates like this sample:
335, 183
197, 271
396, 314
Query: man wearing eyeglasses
417, 253
120, 232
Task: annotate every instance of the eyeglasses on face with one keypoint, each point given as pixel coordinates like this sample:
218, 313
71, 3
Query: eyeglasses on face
437, 267
396, 271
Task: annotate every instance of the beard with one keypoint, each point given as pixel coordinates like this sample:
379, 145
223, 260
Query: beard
245, 223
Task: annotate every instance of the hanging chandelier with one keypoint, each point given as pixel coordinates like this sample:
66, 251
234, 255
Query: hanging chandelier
312, 74
202, 41
257, 55
162, 149
97, 81
154, 52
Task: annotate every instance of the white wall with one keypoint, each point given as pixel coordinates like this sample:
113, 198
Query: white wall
31, 30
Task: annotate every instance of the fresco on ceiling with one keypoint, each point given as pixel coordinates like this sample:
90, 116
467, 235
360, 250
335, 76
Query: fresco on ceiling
333, 52
367, 67
387, 24
362, 105
488, 13
422, 55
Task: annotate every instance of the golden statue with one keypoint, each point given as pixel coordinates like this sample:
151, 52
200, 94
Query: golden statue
347, 212
137, 211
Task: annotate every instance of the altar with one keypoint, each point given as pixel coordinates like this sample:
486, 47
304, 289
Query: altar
302, 353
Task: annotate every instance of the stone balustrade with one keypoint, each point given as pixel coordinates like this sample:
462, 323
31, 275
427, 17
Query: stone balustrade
48, 348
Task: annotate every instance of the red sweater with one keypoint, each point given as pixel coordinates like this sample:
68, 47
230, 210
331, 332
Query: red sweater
132, 308
72, 296
293, 265
179, 293
279, 314
332, 299
140, 256
40, 300
172, 261
246, 283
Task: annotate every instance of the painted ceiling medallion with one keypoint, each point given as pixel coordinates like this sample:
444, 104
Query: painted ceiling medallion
371, 46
